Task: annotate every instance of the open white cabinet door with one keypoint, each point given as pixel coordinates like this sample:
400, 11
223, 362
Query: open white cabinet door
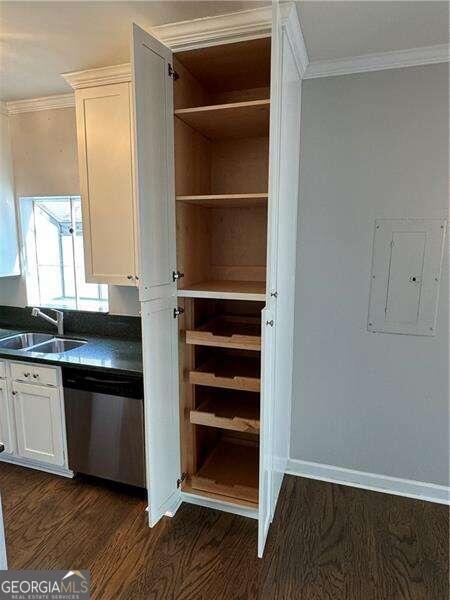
154, 159
266, 417
276, 396
3, 561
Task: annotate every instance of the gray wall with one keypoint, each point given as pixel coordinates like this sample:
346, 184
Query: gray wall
44, 150
374, 145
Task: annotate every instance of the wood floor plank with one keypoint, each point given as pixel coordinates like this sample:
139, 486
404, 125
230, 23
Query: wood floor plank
327, 542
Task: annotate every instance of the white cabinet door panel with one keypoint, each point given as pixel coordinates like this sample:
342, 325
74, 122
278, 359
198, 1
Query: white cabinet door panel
39, 423
266, 431
154, 151
277, 351
6, 436
153, 97
161, 389
104, 129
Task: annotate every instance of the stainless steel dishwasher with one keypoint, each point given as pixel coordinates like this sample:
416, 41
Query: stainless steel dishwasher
105, 425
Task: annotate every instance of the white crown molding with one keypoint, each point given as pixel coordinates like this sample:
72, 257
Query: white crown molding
377, 62
256, 22
291, 23
100, 76
15, 107
420, 490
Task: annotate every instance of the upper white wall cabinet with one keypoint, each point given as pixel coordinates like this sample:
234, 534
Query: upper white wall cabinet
105, 155
9, 252
406, 275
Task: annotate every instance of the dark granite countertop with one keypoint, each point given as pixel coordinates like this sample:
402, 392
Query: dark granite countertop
100, 353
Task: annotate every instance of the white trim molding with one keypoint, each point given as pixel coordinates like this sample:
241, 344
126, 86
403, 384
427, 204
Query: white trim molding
413, 57
15, 107
292, 26
100, 76
245, 24
419, 490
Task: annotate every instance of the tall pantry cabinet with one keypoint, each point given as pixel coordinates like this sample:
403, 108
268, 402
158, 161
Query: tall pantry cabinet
217, 134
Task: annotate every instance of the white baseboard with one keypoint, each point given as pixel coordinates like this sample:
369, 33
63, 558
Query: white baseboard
31, 464
419, 490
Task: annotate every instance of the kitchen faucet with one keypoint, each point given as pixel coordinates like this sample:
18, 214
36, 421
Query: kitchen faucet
58, 322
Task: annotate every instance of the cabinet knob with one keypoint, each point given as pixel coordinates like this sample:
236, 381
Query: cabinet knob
136, 277
274, 294
270, 323
14, 392
27, 374
129, 276
35, 375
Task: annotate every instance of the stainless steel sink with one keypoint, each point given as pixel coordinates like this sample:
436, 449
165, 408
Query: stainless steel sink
21, 341
44, 343
57, 346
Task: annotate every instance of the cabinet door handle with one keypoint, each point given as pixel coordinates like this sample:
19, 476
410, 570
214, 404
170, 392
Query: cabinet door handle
270, 323
13, 392
27, 374
129, 276
35, 375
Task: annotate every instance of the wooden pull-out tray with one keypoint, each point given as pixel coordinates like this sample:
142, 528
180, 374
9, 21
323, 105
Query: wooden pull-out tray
228, 410
228, 332
230, 470
231, 372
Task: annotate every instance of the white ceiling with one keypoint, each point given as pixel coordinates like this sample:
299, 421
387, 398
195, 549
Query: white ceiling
40, 40
341, 29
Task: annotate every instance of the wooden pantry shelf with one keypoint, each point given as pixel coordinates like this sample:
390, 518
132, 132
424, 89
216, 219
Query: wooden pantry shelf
230, 470
232, 411
229, 372
226, 290
226, 200
228, 331
234, 120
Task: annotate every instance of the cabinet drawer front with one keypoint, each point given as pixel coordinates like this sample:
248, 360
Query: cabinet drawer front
2, 370
31, 373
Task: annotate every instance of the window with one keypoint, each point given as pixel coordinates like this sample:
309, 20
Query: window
53, 237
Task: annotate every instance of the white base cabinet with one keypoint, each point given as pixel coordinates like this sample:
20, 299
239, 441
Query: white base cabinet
32, 422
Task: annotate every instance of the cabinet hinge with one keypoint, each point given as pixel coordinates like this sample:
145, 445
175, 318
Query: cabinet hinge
177, 312
177, 275
182, 478
171, 72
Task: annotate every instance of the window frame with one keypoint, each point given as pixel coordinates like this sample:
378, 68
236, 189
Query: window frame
29, 251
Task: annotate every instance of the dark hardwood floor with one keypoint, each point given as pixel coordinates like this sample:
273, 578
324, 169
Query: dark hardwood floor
327, 542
